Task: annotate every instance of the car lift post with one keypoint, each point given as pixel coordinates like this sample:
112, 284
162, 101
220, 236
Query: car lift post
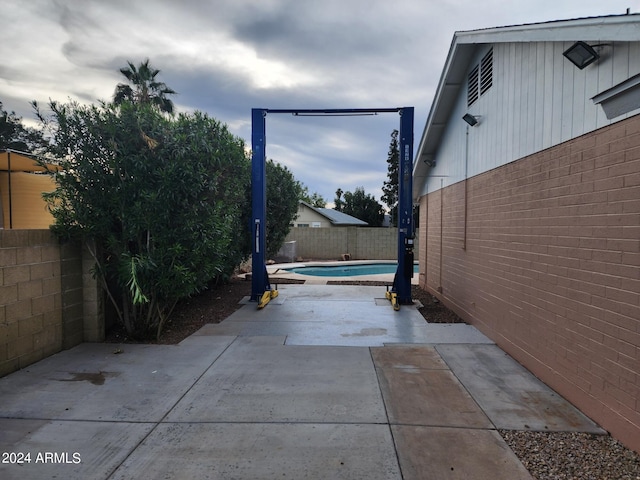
401, 290
261, 290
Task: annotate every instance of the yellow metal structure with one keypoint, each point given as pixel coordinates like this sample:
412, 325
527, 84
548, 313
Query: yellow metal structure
393, 298
266, 297
22, 182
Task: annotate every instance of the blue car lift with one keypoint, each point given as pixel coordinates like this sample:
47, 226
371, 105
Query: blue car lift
261, 290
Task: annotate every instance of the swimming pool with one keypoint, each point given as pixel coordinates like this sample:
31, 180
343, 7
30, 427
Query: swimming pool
347, 270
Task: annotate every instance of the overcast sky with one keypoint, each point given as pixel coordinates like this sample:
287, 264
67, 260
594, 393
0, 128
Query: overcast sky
224, 57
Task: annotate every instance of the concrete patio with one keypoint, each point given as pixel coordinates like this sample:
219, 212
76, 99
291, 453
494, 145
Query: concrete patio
325, 382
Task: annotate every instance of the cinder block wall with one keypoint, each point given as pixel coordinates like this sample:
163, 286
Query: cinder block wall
363, 243
41, 297
548, 266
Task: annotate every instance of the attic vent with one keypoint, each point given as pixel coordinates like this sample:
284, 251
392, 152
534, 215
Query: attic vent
486, 72
472, 88
480, 78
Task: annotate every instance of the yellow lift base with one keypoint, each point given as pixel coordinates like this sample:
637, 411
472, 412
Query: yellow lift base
266, 297
393, 298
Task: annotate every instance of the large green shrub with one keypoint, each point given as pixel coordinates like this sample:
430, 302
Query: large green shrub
162, 198
283, 197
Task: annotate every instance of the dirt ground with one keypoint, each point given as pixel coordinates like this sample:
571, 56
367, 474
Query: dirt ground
217, 303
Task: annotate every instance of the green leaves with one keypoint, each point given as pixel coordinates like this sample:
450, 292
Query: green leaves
360, 205
16, 136
283, 195
134, 264
162, 196
146, 89
390, 187
165, 198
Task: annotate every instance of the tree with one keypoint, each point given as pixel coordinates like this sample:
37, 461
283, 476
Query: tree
15, 136
314, 199
361, 205
161, 197
283, 195
390, 187
146, 89
338, 201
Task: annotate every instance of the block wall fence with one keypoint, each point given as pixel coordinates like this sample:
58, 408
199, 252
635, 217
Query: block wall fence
363, 243
48, 299
546, 262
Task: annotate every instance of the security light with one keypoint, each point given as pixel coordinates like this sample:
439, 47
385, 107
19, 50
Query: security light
581, 54
472, 120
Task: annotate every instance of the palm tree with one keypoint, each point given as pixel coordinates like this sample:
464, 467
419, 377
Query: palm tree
145, 87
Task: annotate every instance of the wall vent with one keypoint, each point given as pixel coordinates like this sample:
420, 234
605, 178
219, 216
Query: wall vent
472, 88
486, 72
480, 78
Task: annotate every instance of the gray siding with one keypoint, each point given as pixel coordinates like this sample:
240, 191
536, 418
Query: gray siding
538, 100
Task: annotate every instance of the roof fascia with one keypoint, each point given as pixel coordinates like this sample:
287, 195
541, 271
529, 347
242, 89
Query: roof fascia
612, 28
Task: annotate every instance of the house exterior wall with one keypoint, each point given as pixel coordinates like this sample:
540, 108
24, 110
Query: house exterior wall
28, 208
546, 262
538, 99
309, 217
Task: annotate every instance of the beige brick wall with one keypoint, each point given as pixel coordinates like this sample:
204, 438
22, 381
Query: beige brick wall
363, 243
41, 297
548, 266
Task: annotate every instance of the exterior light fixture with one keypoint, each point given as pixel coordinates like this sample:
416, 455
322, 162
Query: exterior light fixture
472, 120
581, 54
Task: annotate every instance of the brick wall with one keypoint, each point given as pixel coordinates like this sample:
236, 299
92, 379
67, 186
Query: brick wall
41, 297
547, 264
363, 243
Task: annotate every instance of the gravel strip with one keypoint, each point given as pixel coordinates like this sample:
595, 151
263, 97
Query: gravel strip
573, 456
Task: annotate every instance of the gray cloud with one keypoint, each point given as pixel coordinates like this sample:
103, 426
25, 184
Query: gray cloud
225, 57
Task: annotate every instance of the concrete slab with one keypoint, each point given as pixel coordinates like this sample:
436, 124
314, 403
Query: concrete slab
264, 451
259, 406
313, 311
417, 394
509, 394
332, 293
340, 315
455, 454
67, 449
91, 382
408, 357
254, 382
370, 332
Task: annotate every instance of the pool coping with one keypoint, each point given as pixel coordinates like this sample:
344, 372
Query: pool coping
278, 271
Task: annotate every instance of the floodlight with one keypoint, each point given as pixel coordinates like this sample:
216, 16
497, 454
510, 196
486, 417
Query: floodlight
581, 54
472, 120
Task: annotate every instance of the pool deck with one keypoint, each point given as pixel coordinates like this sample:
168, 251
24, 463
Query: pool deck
279, 270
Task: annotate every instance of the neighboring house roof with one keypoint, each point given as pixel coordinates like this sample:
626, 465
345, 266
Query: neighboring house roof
12, 160
337, 218
465, 45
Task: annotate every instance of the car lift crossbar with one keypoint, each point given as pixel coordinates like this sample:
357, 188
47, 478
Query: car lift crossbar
261, 290
334, 111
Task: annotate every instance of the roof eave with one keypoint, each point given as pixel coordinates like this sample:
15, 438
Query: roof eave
464, 45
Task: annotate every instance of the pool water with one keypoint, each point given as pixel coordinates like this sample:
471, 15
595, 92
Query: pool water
348, 270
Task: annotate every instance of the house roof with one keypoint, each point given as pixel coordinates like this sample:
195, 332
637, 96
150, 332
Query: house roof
20, 162
463, 49
336, 217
